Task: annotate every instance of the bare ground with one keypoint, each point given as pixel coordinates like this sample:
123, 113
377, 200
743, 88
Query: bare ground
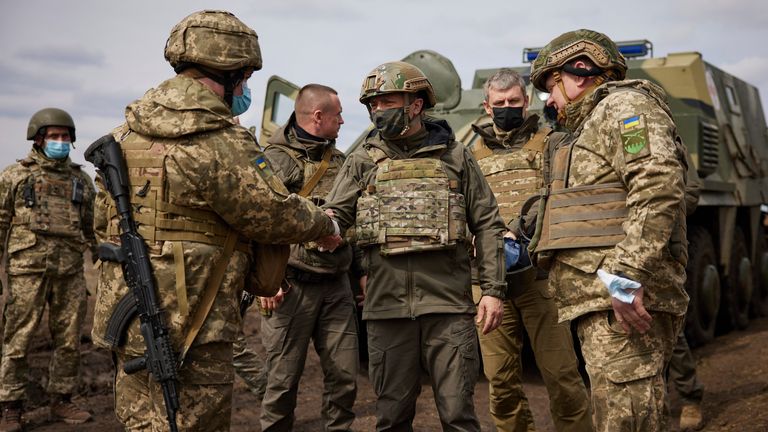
734, 370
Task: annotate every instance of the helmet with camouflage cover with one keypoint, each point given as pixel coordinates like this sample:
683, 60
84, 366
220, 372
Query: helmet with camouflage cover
599, 48
394, 77
214, 39
50, 117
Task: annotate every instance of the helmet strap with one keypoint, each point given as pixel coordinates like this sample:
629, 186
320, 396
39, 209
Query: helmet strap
228, 79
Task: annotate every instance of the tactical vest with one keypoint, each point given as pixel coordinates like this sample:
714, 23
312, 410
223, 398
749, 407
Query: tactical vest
412, 206
159, 220
316, 190
53, 199
514, 176
581, 216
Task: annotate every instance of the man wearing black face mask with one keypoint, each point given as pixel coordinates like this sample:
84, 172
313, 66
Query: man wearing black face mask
511, 152
412, 192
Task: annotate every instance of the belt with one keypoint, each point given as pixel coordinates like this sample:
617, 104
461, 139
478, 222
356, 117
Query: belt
309, 277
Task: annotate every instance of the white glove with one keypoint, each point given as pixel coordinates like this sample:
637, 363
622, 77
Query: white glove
619, 287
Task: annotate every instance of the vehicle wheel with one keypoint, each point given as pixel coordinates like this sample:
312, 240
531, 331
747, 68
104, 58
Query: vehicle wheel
737, 291
760, 291
703, 286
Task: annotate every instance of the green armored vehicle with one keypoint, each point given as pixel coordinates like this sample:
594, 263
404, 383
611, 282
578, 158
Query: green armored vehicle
722, 122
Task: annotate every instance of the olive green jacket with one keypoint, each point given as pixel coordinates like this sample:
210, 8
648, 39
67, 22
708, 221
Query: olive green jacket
414, 284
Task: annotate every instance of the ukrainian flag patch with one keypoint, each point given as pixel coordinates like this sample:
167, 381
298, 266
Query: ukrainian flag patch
634, 136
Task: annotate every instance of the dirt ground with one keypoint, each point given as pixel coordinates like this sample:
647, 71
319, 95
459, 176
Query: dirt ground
734, 370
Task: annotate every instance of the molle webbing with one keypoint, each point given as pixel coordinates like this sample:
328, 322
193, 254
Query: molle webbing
55, 210
581, 216
412, 207
157, 219
514, 176
314, 174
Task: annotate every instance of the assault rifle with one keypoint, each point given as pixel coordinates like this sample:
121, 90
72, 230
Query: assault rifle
158, 359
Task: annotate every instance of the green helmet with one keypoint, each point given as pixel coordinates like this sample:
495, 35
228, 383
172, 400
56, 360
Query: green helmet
215, 39
50, 117
394, 77
574, 44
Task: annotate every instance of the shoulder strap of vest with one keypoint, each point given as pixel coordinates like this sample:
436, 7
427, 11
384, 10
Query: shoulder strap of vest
539, 140
480, 149
376, 154
310, 184
26, 162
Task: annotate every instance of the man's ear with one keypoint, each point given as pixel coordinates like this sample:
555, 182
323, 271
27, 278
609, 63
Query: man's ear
487, 108
317, 116
418, 106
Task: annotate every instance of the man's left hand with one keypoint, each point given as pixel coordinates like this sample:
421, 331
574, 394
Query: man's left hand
490, 309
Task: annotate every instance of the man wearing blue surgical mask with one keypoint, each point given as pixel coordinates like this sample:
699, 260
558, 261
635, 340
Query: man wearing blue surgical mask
511, 151
46, 218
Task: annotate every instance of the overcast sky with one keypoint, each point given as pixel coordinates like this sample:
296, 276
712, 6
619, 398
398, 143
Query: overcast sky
93, 57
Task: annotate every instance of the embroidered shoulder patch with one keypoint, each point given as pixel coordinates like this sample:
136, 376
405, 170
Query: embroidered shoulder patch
265, 171
634, 137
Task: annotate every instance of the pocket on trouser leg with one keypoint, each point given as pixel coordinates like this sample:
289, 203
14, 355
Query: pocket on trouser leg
464, 336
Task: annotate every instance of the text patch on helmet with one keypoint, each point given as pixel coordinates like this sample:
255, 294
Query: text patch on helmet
634, 137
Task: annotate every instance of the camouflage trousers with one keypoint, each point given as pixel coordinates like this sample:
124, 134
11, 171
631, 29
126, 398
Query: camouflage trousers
204, 387
529, 311
24, 306
443, 344
324, 313
682, 373
626, 372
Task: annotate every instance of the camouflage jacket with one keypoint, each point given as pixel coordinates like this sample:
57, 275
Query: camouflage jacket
289, 156
209, 165
413, 284
629, 137
40, 252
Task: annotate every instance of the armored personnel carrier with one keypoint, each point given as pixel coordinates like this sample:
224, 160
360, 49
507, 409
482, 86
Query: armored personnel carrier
720, 118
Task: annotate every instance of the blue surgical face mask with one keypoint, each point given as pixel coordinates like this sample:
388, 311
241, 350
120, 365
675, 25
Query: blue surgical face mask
241, 103
56, 149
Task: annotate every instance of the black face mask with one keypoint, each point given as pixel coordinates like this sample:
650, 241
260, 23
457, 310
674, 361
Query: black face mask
508, 118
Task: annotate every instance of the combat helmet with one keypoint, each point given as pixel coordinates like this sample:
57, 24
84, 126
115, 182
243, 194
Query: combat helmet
394, 77
50, 117
214, 39
574, 44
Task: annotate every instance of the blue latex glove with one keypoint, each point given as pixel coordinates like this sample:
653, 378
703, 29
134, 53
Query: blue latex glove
619, 287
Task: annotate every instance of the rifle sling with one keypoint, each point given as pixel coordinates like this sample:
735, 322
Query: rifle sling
211, 289
312, 182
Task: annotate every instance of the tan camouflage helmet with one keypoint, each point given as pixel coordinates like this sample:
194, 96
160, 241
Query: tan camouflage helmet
50, 117
397, 76
215, 39
574, 44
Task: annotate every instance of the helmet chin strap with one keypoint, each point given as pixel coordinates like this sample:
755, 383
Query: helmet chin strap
406, 111
228, 79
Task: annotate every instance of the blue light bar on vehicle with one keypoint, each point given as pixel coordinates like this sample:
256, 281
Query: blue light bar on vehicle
629, 49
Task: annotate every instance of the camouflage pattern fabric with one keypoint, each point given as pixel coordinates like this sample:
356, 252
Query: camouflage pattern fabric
27, 297
324, 313
415, 284
43, 269
627, 371
628, 137
514, 174
211, 165
445, 346
655, 179
205, 395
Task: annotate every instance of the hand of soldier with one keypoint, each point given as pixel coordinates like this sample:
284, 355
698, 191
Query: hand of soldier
271, 303
331, 242
632, 315
490, 309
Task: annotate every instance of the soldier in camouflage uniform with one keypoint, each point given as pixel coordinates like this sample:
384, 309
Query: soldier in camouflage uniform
46, 218
202, 190
511, 150
319, 304
412, 193
614, 227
